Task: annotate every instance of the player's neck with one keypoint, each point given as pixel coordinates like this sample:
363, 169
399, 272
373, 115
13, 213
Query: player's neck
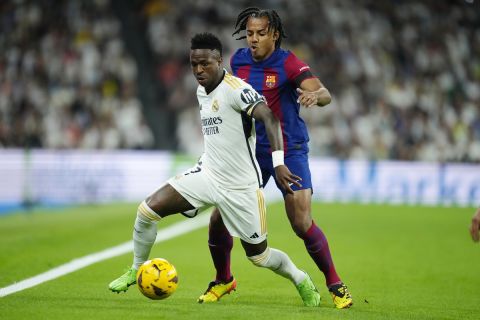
268, 55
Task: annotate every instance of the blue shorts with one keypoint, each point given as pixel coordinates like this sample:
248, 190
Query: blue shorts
297, 163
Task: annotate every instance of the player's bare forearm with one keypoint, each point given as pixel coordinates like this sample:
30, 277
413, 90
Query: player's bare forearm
313, 93
274, 132
323, 97
272, 125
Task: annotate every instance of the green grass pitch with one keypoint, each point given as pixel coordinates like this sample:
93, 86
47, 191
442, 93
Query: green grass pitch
400, 262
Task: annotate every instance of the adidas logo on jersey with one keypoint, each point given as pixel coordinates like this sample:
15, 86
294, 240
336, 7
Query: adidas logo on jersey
254, 236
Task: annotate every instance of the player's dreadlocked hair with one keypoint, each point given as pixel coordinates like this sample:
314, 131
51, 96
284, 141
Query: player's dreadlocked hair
275, 23
206, 40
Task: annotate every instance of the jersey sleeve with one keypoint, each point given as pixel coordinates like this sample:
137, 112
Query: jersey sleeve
246, 98
297, 70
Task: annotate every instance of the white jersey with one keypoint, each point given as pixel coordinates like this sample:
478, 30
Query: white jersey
229, 133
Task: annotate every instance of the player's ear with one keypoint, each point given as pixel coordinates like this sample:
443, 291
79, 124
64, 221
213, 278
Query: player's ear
276, 35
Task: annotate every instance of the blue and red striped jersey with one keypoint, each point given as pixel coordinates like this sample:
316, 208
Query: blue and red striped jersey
276, 78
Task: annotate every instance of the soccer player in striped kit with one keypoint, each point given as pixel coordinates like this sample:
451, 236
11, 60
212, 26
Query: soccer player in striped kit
287, 84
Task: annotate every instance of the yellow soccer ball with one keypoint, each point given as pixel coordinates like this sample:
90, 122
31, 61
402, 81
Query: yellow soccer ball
157, 279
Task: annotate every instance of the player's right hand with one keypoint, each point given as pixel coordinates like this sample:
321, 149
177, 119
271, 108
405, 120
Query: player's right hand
286, 179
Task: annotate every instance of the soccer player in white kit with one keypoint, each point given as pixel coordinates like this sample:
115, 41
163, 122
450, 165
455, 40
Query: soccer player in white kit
227, 175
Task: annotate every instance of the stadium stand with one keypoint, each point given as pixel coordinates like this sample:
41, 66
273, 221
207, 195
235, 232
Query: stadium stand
405, 76
66, 80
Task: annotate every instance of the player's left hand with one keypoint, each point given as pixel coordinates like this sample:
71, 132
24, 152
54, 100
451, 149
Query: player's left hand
286, 179
307, 98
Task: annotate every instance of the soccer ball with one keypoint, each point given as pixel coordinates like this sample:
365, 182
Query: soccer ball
157, 279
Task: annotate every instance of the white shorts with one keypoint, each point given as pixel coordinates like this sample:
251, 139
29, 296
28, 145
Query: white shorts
243, 211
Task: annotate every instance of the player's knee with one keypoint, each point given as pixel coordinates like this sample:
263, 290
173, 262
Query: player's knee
146, 213
216, 222
301, 226
299, 216
261, 260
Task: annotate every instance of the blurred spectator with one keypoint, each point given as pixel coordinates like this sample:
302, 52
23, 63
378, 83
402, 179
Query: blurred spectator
405, 76
65, 78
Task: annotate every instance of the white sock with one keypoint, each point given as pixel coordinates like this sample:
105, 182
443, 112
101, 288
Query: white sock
280, 263
144, 234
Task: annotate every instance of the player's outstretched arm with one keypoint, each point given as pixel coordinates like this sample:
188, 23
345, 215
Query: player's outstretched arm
313, 93
274, 133
474, 227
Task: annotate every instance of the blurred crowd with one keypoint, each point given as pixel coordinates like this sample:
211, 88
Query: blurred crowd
66, 80
404, 75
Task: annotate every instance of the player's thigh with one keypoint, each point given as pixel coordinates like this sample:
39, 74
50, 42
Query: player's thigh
194, 187
167, 201
298, 204
244, 214
298, 208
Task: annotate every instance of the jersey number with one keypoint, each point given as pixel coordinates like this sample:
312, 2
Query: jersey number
194, 170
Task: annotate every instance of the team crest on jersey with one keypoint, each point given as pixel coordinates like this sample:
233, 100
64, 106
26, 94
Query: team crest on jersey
215, 106
270, 81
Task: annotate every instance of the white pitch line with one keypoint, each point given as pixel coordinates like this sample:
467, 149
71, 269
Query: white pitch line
167, 233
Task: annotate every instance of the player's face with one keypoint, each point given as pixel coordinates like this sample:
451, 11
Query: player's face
260, 40
206, 66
